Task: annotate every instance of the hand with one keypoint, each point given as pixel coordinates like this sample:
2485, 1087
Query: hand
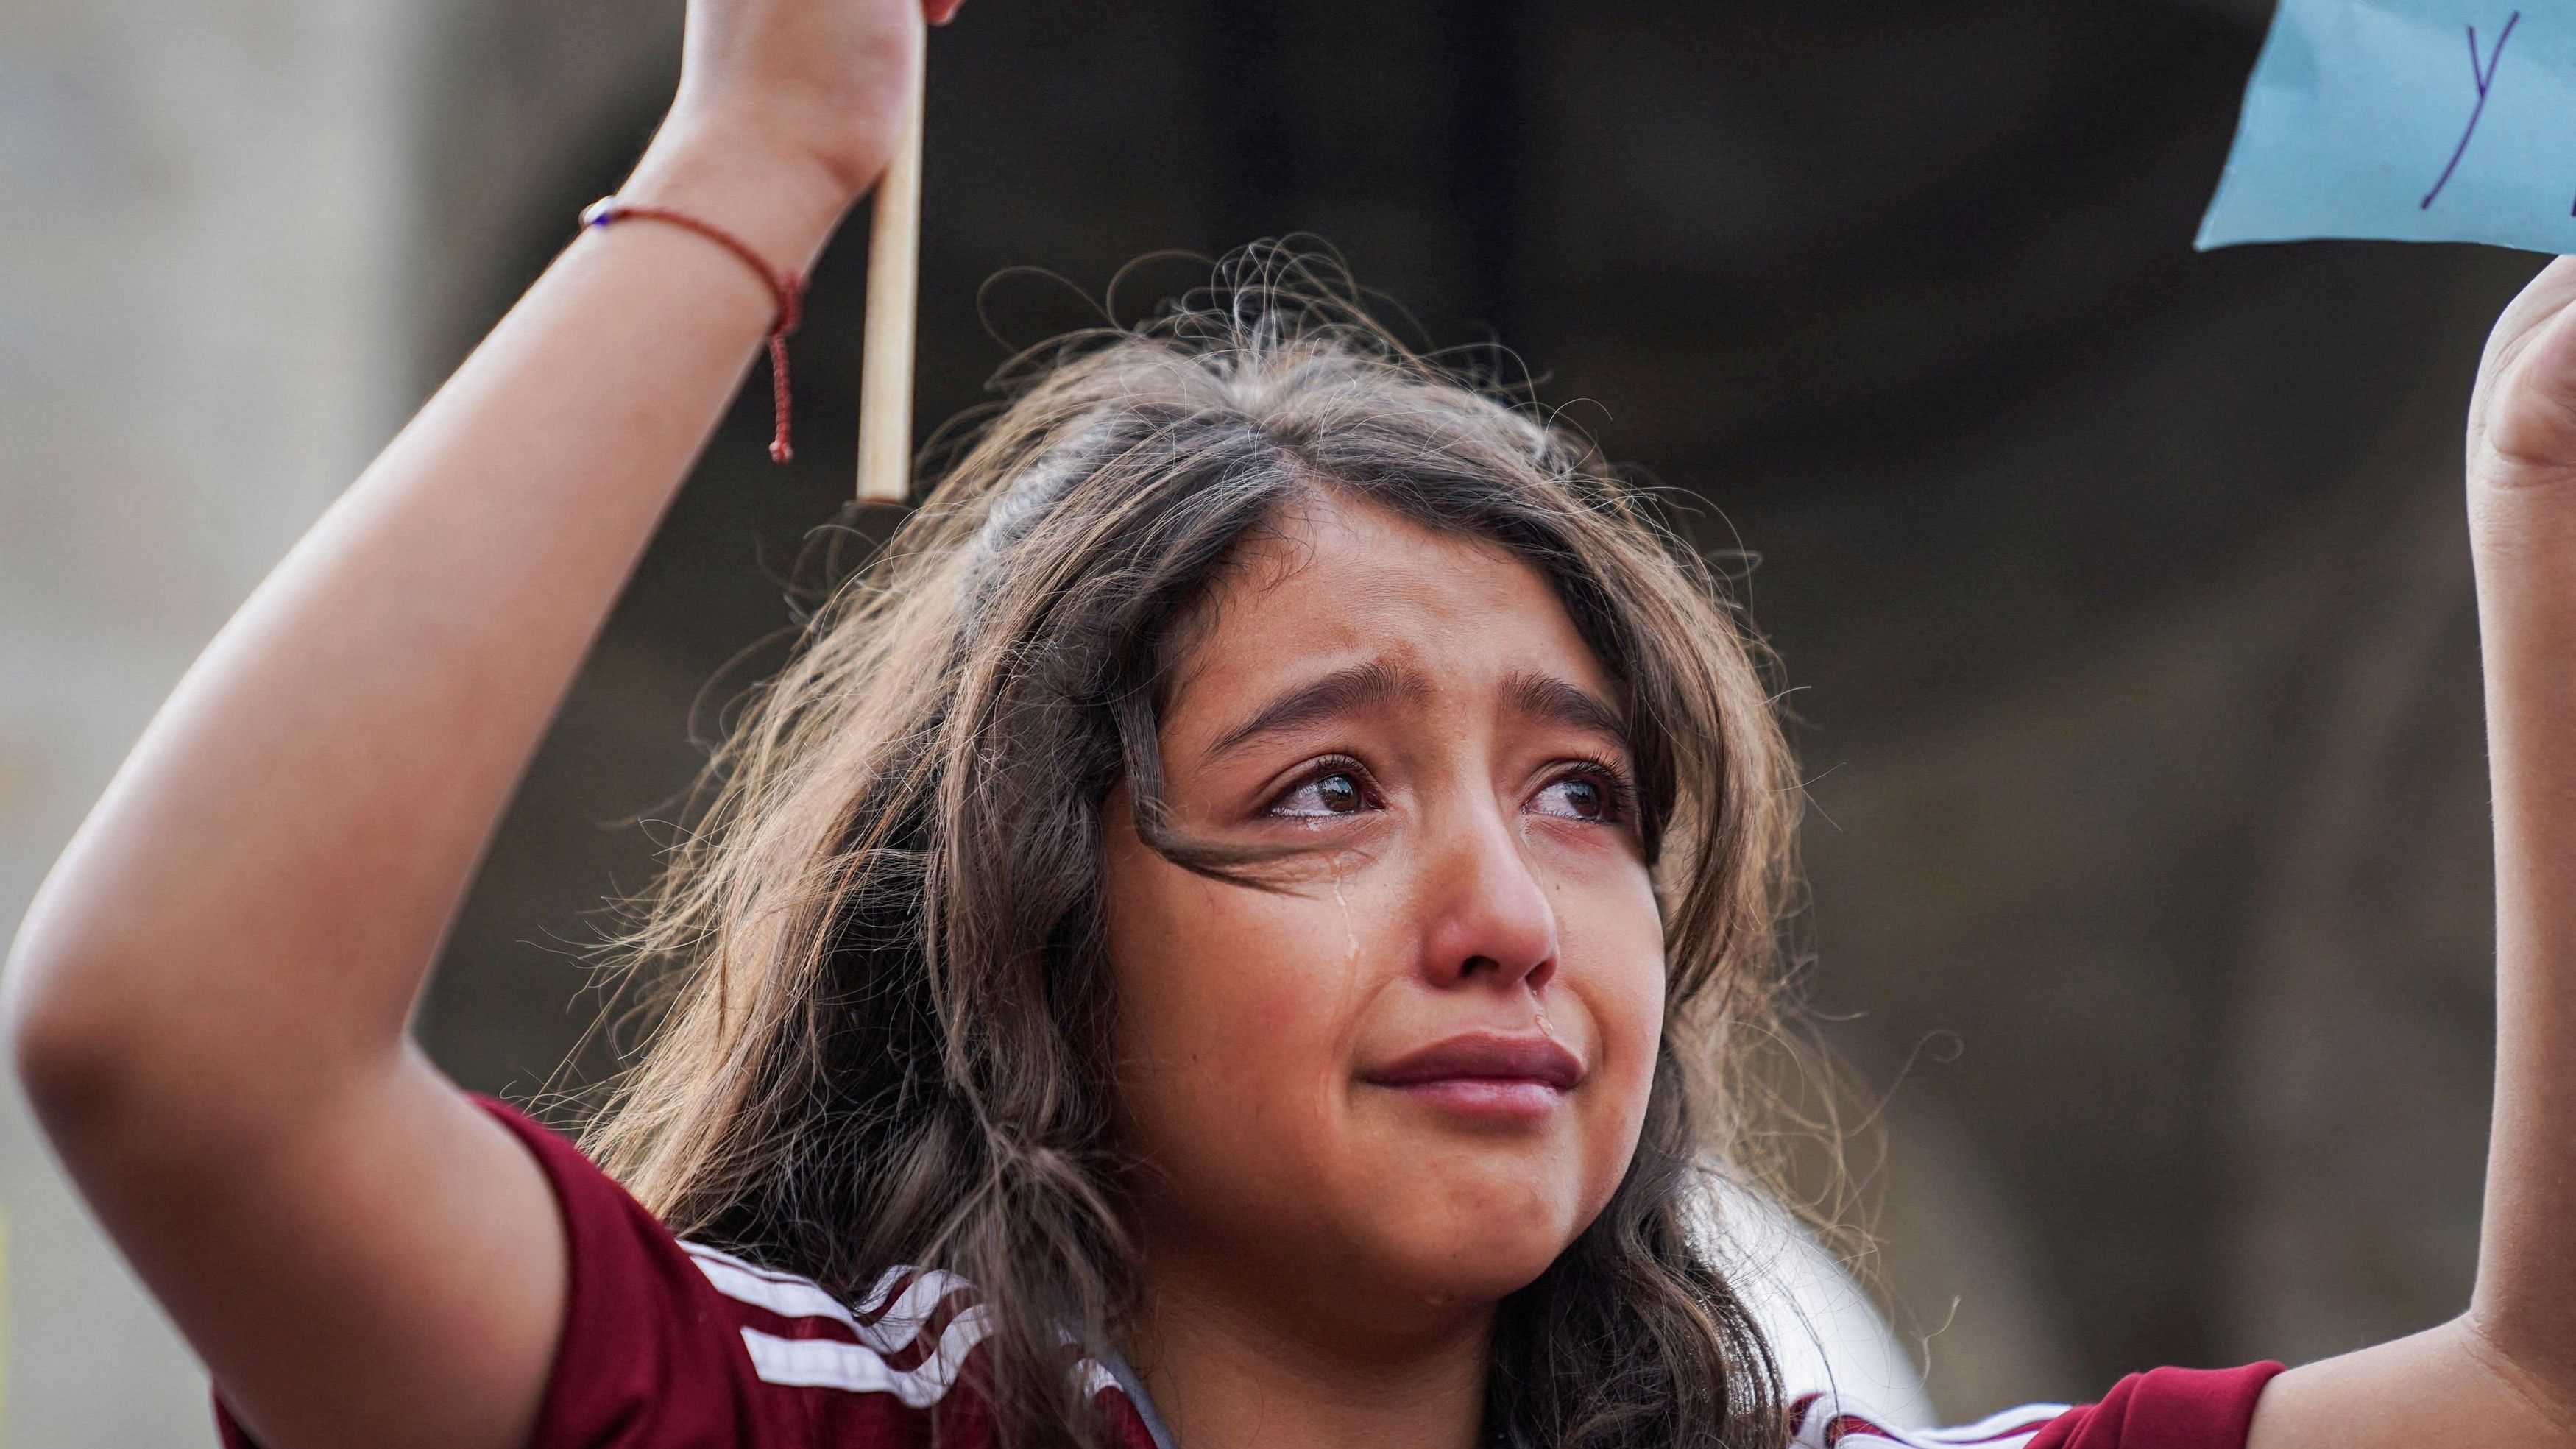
2522, 416
806, 81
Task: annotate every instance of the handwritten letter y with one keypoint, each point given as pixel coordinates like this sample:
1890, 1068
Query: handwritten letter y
2484, 74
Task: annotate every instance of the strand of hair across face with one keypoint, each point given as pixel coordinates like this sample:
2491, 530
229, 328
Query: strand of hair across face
785, 286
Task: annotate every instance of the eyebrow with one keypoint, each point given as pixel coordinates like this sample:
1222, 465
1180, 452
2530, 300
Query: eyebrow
1548, 698
1344, 691
1366, 686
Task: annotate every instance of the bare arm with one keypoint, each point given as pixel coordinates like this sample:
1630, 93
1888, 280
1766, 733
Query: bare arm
2504, 1373
209, 996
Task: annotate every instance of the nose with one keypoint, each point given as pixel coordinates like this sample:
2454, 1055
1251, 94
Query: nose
1489, 918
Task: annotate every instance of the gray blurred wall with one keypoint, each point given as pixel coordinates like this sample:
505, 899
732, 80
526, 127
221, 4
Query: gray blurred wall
205, 254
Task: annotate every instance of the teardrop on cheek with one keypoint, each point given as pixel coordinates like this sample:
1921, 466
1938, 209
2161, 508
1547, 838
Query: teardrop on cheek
1350, 925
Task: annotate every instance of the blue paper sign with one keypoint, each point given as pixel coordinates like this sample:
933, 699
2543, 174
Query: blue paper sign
2407, 120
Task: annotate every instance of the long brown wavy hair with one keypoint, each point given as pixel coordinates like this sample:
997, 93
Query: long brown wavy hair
884, 1032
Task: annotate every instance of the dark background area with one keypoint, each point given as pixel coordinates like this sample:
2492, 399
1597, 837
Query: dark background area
2120, 589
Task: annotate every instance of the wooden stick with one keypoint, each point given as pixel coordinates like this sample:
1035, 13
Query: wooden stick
894, 290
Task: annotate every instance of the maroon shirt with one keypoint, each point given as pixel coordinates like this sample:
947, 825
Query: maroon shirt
673, 1345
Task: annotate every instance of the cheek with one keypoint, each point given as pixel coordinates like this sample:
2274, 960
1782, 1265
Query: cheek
1632, 1037
1612, 936
1234, 1017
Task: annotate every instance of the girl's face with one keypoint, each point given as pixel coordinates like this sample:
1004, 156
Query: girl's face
1418, 1073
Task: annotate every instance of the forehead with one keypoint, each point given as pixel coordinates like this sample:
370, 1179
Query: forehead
1332, 581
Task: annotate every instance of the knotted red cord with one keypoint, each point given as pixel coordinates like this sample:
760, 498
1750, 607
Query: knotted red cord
786, 286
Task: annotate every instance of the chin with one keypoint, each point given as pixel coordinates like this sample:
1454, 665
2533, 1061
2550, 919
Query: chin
1476, 1235
1473, 1269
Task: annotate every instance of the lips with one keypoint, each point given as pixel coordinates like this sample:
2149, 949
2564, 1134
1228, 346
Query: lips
1484, 1057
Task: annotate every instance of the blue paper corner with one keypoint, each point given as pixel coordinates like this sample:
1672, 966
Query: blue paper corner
2406, 120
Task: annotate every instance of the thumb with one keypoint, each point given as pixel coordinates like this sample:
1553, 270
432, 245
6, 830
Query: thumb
2523, 411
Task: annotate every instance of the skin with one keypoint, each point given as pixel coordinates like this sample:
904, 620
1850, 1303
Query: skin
1471, 871
208, 998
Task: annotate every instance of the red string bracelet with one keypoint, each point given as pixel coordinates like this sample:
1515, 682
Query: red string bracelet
786, 286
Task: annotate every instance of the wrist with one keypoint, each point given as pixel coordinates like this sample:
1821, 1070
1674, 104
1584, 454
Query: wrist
784, 203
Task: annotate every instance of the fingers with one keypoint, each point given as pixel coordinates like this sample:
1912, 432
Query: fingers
940, 12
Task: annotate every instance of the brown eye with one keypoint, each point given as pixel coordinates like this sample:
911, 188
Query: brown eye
1339, 793
1577, 797
1336, 793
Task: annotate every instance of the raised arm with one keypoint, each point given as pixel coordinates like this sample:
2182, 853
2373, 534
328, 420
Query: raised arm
209, 997
2504, 1372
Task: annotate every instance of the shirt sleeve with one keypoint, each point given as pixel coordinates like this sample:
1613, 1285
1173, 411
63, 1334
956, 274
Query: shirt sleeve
677, 1345
651, 1356
2166, 1408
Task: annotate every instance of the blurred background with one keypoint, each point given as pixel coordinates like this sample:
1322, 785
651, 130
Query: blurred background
2122, 591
